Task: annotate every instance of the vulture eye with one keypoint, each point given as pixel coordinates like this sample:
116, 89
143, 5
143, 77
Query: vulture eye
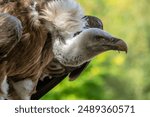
77, 33
98, 37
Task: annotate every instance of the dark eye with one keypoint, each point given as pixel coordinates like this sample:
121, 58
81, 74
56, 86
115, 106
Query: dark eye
98, 38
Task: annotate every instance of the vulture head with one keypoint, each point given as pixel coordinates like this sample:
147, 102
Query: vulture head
74, 43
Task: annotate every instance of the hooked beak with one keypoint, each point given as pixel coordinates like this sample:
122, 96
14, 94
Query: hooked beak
116, 44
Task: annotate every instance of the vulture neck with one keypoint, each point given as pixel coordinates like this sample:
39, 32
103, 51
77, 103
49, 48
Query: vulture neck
73, 51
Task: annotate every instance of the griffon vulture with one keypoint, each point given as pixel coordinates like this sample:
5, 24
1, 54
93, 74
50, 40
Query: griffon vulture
35, 32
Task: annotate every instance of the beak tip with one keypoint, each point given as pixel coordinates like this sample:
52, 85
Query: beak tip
122, 46
126, 51
125, 48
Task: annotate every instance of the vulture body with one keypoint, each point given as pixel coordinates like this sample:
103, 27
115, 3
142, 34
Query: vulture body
34, 34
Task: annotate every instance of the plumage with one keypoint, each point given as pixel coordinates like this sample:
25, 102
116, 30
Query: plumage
26, 61
47, 32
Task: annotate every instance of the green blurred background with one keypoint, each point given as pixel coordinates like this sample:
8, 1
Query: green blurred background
114, 75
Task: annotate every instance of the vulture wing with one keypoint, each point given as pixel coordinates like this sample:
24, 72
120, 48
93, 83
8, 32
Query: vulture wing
10, 33
61, 72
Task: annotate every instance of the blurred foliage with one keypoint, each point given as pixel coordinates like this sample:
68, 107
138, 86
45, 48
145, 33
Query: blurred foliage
114, 75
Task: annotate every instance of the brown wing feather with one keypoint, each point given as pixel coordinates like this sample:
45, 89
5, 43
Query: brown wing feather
10, 33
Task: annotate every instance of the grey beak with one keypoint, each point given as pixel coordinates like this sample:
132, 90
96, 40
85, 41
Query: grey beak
118, 44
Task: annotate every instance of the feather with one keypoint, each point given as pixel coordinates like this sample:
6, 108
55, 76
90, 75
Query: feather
27, 54
27, 58
10, 33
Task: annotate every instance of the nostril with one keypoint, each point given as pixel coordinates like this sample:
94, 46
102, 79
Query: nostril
114, 39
